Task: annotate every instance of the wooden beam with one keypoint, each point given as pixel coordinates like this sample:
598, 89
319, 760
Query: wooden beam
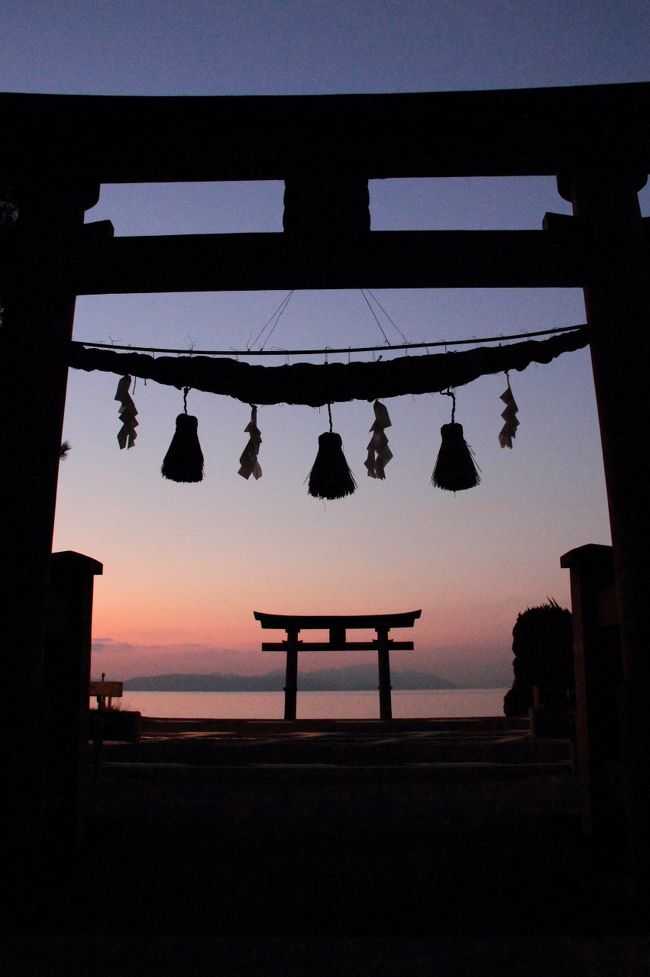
244, 262
92, 264
117, 139
380, 259
346, 646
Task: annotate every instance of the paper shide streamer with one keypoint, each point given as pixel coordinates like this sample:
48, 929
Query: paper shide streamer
455, 469
127, 434
509, 415
248, 463
379, 454
184, 459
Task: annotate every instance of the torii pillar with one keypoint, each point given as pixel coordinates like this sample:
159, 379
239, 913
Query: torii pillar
617, 300
37, 321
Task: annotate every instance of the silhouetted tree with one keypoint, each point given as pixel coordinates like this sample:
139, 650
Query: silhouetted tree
542, 643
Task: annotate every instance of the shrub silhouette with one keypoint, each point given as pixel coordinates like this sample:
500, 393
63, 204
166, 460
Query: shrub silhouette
542, 643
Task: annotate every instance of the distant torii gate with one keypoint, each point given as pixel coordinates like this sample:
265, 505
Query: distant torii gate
58, 150
337, 625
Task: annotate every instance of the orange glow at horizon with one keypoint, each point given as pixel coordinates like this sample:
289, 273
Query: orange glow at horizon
185, 566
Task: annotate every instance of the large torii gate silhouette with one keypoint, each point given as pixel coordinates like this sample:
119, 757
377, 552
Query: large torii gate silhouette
58, 150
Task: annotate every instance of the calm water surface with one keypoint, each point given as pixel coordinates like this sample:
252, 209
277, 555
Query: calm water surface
442, 703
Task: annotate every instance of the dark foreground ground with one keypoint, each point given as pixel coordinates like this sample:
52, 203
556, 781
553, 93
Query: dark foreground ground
354, 848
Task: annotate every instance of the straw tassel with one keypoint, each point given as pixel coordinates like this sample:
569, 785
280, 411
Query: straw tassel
248, 463
330, 477
184, 459
509, 415
127, 434
379, 454
455, 469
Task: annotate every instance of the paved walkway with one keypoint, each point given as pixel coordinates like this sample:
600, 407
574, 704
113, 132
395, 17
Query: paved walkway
335, 851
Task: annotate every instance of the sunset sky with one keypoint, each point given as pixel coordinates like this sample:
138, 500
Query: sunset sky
186, 565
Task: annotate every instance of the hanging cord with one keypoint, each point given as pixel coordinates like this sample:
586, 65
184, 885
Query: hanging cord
380, 306
186, 390
450, 393
329, 414
162, 350
275, 318
381, 328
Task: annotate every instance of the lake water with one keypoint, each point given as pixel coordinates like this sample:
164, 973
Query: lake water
421, 704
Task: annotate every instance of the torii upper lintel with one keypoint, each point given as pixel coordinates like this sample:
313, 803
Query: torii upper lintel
513, 132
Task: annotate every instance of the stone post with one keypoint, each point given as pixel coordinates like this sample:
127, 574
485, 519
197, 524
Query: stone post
598, 676
67, 681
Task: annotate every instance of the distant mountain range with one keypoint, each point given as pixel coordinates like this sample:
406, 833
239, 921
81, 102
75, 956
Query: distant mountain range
352, 678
